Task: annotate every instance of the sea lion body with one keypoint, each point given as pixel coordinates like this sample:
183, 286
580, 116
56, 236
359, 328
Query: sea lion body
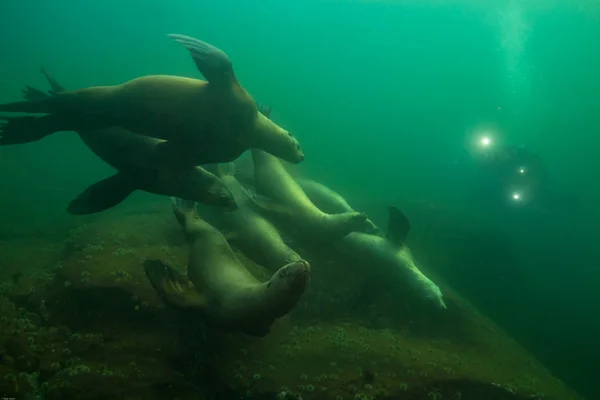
248, 230
221, 287
388, 265
293, 206
133, 156
203, 121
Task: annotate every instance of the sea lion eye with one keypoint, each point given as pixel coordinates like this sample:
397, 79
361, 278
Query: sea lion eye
283, 273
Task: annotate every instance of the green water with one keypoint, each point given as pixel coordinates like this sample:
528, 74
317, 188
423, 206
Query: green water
385, 97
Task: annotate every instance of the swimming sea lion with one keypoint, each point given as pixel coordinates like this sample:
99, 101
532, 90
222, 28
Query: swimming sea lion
219, 286
132, 155
202, 122
387, 261
246, 228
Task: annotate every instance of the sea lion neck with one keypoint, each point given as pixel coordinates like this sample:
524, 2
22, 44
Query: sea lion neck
267, 135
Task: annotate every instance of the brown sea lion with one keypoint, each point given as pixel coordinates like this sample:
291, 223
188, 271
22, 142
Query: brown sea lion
132, 156
220, 287
202, 122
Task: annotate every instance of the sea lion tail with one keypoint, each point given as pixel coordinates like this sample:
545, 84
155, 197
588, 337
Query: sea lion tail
171, 286
110, 191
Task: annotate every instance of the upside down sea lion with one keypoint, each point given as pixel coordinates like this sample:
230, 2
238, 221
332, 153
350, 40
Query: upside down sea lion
220, 287
202, 122
132, 155
246, 228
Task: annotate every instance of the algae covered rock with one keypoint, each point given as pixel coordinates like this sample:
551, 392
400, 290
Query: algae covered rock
93, 328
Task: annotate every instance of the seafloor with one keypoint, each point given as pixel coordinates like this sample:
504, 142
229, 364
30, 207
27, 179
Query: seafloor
79, 320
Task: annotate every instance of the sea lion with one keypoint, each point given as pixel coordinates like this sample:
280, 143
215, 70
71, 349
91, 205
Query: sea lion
387, 261
131, 155
202, 122
246, 228
219, 286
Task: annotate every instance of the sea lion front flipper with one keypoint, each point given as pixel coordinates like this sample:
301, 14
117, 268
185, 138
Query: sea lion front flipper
110, 191
398, 227
265, 203
264, 110
212, 62
172, 287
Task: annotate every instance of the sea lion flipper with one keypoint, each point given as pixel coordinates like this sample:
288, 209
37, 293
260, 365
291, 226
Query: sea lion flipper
110, 191
174, 288
212, 62
20, 130
56, 87
265, 203
33, 94
264, 110
398, 227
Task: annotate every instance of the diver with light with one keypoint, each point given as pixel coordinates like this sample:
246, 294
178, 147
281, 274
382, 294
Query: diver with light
514, 175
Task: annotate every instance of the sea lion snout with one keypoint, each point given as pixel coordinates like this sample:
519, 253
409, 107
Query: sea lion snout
297, 270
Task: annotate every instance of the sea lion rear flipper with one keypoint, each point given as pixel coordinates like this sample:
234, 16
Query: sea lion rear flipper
20, 130
33, 94
110, 191
212, 62
398, 227
56, 87
172, 287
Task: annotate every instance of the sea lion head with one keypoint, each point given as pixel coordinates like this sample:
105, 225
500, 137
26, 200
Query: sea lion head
434, 295
286, 286
277, 141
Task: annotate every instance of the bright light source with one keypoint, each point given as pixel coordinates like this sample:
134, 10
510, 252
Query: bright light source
516, 196
521, 170
485, 141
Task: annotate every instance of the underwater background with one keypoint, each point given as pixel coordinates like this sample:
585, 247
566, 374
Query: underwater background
386, 98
